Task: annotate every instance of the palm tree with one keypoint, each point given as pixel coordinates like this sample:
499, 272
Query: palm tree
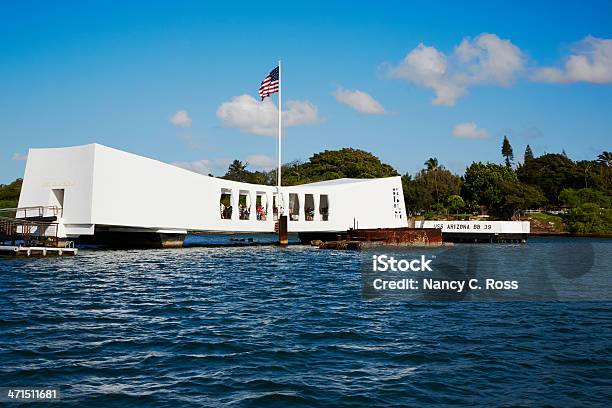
237, 166
237, 171
587, 169
432, 164
605, 158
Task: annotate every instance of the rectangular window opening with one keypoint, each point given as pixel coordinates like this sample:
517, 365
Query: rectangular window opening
244, 205
225, 204
309, 212
294, 207
324, 207
261, 206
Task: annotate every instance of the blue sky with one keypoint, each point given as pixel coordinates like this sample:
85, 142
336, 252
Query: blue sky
80, 72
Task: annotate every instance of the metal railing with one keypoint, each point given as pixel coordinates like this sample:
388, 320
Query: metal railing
29, 226
39, 211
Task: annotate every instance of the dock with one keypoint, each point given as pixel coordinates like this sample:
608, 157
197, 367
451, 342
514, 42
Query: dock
35, 251
32, 231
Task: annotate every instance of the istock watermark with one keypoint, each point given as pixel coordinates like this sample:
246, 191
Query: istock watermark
384, 263
486, 272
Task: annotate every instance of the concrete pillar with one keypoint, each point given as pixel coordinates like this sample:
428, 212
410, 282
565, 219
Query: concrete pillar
302, 199
234, 200
283, 237
252, 205
266, 204
283, 203
315, 207
172, 240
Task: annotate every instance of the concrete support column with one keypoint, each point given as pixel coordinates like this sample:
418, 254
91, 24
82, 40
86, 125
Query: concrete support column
302, 199
283, 203
283, 237
252, 205
266, 204
234, 201
315, 199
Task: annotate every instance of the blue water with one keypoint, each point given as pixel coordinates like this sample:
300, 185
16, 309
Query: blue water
235, 239
266, 326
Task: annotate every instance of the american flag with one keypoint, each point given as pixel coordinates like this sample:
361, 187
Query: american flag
269, 85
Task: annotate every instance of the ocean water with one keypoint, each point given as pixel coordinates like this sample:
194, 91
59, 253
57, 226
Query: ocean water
269, 326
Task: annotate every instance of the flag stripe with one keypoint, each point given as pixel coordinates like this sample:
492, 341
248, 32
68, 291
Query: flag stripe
270, 84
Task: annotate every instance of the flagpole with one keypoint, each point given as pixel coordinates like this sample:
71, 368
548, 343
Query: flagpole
280, 128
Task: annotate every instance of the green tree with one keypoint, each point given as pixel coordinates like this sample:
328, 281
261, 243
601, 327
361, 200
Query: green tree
263, 177
589, 218
455, 203
605, 158
528, 154
594, 175
432, 164
237, 172
590, 211
517, 197
551, 173
327, 165
605, 163
294, 173
333, 164
576, 197
411, 195
507, 151
432, 167
430, 189
9, 194
482, 184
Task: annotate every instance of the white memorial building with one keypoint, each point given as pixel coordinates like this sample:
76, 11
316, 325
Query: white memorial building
98, 188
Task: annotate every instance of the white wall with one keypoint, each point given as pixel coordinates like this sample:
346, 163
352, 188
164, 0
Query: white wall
68, 168
135, 191
366, 203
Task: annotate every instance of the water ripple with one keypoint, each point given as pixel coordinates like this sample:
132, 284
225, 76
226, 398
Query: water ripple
265, 326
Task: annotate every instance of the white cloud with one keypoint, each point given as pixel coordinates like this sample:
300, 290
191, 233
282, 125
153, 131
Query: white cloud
469, 130
489, 59
359, 100
181, 118
486, 59
300, 113
260, 161
428, 67
261, 118
589, 61
205, 166
19, 157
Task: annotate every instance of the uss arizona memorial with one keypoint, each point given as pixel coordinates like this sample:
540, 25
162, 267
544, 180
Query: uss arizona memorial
103, 195
104, 190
